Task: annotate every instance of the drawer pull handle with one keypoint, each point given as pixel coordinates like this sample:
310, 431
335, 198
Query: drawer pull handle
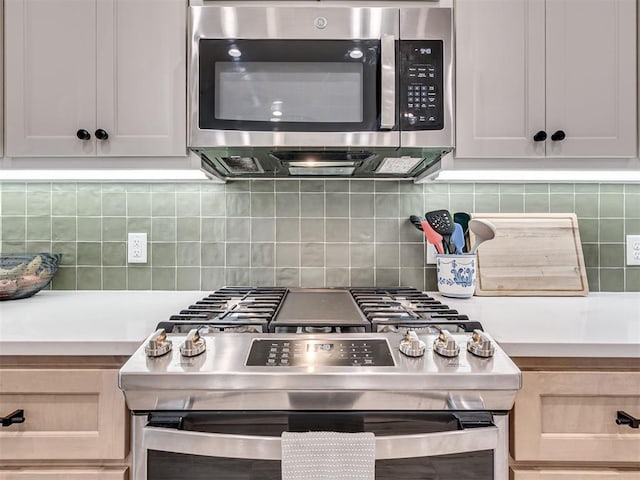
13, 417
623, 418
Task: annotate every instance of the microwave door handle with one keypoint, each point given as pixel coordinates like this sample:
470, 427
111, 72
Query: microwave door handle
388, 82
269, 448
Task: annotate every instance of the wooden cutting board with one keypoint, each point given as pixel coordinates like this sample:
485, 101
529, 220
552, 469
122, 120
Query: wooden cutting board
532, 255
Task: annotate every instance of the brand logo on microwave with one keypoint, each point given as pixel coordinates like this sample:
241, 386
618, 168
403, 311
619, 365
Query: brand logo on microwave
321, 22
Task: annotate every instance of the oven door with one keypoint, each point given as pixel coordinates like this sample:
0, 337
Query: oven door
247, 446
293, 76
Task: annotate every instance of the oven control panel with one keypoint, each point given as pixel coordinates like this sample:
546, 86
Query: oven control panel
421, 85
320, 352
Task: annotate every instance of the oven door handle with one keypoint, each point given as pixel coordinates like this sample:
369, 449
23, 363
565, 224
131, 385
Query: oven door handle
387, 82
269, 448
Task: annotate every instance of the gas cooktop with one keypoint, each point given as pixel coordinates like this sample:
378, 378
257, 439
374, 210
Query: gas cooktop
317, 310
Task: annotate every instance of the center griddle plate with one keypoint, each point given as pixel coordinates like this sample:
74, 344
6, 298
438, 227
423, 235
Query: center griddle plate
319, 308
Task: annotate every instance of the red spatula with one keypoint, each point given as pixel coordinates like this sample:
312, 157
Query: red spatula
433, 237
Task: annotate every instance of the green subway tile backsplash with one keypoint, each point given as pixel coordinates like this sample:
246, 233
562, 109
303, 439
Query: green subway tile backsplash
288, 232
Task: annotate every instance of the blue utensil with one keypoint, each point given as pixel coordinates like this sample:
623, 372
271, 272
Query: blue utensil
457, 237
463, 219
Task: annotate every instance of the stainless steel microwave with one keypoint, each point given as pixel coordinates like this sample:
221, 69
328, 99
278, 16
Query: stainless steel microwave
314, 88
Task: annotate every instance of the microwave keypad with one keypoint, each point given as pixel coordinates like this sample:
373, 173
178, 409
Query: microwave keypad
421, 106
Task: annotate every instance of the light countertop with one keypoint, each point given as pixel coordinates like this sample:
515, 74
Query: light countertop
598, 325
116, 322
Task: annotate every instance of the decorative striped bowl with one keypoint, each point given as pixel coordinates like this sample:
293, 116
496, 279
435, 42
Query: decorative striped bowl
23, 275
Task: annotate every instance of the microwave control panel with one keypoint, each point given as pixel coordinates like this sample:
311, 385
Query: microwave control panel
421, 85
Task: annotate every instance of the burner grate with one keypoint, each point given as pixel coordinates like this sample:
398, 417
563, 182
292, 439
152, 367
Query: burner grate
327, 310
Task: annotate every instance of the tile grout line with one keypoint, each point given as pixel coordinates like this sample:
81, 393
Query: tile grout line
598, 240
324, 236
624, 239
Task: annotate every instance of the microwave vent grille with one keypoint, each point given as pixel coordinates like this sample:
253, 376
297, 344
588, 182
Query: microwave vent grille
236, 164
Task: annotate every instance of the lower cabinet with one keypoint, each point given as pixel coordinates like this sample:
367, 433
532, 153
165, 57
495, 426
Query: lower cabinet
596, 474
64, 474
75, 420
564, 420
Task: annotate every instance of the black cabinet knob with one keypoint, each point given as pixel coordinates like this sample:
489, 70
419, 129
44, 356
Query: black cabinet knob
558, 136
82, 134
13, 417
101, 134
541, 136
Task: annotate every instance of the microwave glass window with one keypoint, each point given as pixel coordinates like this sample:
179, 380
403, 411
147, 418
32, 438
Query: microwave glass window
289, 85
307, 92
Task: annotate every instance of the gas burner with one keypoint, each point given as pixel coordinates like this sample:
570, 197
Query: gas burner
321, 310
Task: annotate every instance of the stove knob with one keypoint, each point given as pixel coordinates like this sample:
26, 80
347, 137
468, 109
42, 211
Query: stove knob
480, 344
445, 345
411, 345
193, 345
158, 344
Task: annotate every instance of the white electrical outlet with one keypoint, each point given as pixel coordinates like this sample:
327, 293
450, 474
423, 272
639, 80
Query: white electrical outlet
633, 249
137, 248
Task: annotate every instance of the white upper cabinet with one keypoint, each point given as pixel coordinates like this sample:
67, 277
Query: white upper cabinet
1, 78
50, 63
95, 77
591, 77
552, 78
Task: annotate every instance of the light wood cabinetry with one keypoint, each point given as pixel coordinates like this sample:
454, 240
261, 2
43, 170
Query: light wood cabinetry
69, 414
1, 78
597, 474
75, 420
527, 70
564, 420
64, 474
79, 69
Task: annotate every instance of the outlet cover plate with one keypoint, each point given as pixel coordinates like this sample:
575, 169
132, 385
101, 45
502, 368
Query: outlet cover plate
137, 248
633, 249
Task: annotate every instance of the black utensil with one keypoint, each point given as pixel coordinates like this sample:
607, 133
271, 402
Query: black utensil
463, 219
441, 222
417, 221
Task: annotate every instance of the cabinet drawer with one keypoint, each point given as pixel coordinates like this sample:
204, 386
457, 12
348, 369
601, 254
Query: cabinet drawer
570, 416
69, 414
566, 474
64, 474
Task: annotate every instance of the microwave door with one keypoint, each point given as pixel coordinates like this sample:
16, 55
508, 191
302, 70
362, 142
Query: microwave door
301, 86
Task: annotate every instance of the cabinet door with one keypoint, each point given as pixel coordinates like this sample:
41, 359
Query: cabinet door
571, 417
50, 76
142, 77
70, 414
574, 474
500, 78
64, 473
591, 77
1, 78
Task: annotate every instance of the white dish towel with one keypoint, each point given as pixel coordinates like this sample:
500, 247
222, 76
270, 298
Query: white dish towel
328, 456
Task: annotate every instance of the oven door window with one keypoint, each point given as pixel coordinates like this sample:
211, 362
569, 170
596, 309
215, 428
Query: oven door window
289, 85
243, 464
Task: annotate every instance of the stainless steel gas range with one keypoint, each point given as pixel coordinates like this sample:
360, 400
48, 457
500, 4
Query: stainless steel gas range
213, 389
